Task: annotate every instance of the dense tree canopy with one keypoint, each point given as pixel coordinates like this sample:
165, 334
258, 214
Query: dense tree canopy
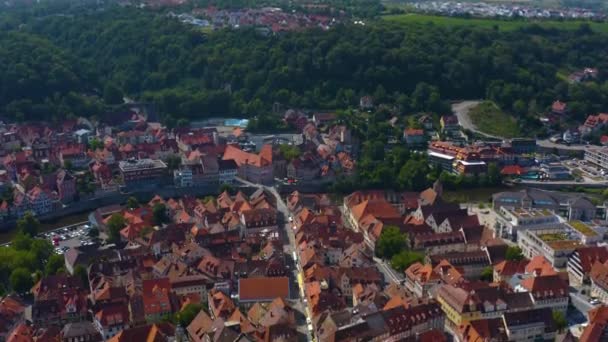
28, 224
188, 73
390, 242
25, 257
114, 225
514, 253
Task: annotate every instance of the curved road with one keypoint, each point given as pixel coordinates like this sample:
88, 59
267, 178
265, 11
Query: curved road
461, 109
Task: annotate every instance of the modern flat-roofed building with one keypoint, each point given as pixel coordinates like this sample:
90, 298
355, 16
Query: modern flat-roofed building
597, 156
441, 160
511, 220
523, 145
569, 205
555, 244
587, 232
141, 171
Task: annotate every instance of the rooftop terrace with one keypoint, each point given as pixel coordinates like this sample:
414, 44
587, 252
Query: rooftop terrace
552, 237
582, 228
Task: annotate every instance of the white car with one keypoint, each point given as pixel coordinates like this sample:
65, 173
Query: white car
290, 219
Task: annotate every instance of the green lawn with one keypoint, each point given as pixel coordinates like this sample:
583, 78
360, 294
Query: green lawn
488, 118
415, 18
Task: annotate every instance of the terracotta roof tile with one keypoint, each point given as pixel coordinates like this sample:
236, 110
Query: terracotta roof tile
263, 288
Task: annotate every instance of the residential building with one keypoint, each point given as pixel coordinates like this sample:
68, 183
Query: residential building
449, 124
547, 291
559, 108
263, 289
158, 332
190, 284
510, 220
58, 300
589, 233
470, 263
506, 269
597, 328
323, 119
142, 171
66, 186
419, 278
74, 157
526, 325
597, 156
599, 280
12, 314
391, 324
523, 145
555, 171
441, 160
461, 305
488, 329
414, 137
426, 121
200, 326
570, 206
183, 177
156, 298
256, 168
536, 324
593, 123
555, 244
40, 201
582, 260
228, 170
111, 319
260, 222
80, 331
366, 102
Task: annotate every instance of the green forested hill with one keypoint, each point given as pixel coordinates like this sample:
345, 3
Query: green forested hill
194, 74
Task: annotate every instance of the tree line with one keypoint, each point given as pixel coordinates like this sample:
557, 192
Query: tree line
80, 64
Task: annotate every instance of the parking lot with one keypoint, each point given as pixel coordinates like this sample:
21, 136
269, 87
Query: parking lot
588, 172
68, 237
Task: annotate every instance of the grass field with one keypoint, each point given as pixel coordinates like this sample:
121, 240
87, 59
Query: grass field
505, 25
488, 118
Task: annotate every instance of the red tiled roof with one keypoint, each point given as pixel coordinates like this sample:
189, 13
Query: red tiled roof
413, 131
380, 209
544, 287
263, 288
512, 170
508, 268
156, 296
589, 255
245, 158
558, 106
539, 265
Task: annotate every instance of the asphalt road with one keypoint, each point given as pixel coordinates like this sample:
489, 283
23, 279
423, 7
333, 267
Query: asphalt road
461, 109
580, 302
289, 246
390, 275
548, 144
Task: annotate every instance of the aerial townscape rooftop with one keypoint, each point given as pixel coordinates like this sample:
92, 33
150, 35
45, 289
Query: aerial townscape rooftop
327, 171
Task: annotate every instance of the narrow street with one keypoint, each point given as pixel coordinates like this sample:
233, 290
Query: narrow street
390, 275
289, 248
